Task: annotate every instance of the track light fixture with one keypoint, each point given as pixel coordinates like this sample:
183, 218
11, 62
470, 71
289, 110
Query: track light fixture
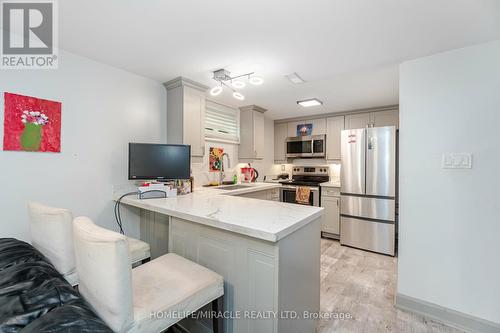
224, 78
216, 90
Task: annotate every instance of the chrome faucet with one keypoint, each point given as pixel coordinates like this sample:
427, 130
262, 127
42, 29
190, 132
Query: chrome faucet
221, 174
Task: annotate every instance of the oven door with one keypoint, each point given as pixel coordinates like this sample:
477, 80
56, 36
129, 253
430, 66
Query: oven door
288, 193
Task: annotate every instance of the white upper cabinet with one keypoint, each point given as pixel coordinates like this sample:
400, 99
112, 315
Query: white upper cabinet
372, 119
280, 135
318, 126
359, 120
334, 127
258, 139
252, 142
385, 118
186, 103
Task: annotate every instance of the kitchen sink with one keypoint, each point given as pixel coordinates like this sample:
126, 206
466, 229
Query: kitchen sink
233, 187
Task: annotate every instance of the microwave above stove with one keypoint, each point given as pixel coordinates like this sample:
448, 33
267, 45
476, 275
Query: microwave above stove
306, 146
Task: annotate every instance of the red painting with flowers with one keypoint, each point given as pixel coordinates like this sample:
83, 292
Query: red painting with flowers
31, 124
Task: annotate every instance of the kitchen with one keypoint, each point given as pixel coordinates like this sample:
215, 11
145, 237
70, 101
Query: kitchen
300, 157
324, 166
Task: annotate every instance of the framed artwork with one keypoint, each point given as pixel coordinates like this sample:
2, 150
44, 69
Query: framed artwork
214, 161
31, 124
304, 129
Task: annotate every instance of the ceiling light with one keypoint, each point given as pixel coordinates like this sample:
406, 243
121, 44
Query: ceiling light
310, 102
238, 95
295, 78
216, 90
224, 78
238, 84
255, 80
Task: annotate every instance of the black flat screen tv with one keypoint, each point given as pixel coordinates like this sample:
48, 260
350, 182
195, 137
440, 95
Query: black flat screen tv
158, 161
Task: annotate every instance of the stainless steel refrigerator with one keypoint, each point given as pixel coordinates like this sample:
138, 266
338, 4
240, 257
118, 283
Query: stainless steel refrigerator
368, 189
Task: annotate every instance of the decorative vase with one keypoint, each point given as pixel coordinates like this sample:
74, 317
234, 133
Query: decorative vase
31, 137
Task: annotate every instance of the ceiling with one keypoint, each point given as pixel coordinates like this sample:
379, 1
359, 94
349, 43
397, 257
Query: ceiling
348, 51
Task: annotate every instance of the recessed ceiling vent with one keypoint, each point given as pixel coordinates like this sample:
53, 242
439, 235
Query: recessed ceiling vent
295, 78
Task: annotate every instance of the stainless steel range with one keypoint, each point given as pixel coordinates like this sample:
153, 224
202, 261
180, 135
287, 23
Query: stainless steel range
305, 176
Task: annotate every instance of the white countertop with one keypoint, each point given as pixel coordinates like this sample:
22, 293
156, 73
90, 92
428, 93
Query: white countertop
223, 209
330, 184
251, 187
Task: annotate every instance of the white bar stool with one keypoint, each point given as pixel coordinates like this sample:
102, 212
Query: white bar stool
149, 298
52, 234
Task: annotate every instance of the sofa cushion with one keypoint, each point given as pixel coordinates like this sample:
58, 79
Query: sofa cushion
31, 289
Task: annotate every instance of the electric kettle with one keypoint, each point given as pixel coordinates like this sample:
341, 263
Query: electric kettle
249, 174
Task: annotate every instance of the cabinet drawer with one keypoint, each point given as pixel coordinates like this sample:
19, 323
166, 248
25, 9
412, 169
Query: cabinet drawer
330, 191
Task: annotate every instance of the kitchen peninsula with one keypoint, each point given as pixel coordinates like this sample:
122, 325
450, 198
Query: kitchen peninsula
267, 251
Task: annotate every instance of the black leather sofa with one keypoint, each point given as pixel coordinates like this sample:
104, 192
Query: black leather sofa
35, 298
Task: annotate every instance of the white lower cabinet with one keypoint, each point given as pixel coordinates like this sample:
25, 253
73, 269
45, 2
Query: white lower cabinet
272, 194
260, 277
330, 200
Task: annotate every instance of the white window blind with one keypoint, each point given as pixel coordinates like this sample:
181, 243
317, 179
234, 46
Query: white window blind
222, 122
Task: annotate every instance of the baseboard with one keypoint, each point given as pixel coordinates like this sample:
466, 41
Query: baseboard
447, 316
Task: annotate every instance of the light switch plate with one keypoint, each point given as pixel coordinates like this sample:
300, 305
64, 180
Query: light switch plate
457, 161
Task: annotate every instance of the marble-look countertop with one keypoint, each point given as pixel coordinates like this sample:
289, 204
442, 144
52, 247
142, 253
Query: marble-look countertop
330, 184
224, 209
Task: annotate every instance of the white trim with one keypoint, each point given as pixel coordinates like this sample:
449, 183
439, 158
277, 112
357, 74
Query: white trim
447, 316
340, 113
221, 140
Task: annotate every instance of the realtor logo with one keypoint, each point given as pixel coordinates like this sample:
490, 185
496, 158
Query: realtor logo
29, 34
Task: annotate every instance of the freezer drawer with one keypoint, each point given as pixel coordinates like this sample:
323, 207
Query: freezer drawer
372, 208
367, 235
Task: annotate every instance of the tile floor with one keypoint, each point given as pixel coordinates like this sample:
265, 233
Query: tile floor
363, 285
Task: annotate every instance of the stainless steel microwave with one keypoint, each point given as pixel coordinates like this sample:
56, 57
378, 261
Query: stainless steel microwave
306, 146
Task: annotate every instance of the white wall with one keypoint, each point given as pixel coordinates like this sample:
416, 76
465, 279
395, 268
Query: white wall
265, 166
449, 239
103, 108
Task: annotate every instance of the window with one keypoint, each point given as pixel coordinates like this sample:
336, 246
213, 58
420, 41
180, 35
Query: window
222, 123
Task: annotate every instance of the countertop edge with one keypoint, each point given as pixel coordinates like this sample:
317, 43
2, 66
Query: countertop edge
273, 237
328, 184
211, 223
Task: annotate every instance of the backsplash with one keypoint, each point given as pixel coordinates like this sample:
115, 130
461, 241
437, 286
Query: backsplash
334, 167
200, 170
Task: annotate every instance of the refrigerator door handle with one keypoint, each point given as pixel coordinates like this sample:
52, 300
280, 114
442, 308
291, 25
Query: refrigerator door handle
370, 143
